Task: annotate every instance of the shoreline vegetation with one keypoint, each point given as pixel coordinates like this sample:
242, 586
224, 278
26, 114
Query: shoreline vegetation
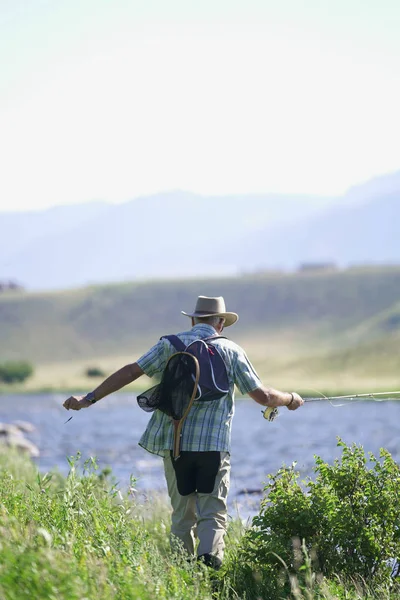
81, 536
67, 378
283, 370
332, 393
308, 388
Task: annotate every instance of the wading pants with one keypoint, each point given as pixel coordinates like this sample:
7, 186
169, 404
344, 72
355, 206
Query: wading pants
200, 515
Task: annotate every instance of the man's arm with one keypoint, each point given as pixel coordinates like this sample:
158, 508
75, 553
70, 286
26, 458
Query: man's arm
112, 384
271, 397
248, 382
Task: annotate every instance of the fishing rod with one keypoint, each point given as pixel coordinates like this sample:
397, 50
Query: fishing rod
350, 396
270, 413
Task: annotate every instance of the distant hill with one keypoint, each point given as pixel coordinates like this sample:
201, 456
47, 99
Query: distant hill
330, 310
360, 232
378, 186
165, 235
179, 234
19, 230
318, 331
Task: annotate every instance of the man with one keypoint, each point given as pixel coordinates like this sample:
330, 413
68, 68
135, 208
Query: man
202, 472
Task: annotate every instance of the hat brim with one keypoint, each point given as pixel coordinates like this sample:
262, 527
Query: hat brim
230, 318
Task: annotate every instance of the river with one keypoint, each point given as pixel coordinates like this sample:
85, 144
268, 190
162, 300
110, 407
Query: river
110, 431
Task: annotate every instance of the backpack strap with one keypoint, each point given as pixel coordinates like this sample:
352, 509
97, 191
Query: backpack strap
181, 347
175, 341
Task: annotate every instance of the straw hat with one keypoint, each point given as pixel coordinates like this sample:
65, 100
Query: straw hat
212, 307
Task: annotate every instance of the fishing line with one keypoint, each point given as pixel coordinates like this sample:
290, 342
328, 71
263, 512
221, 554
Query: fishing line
353, 398
271, 413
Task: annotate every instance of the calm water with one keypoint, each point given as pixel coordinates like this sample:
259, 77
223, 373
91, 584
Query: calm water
111, 430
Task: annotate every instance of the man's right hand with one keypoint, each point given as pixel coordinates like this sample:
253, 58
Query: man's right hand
76, 403
297, 402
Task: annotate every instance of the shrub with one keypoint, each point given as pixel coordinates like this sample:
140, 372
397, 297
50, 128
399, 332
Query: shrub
94, 372
15, 372
346, 520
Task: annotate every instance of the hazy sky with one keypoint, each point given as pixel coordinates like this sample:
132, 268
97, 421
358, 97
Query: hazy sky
108, 100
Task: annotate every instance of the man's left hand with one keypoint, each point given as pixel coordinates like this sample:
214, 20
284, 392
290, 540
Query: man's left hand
296, 402
76, 403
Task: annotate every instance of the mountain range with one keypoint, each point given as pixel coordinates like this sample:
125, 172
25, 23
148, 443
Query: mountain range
180, 234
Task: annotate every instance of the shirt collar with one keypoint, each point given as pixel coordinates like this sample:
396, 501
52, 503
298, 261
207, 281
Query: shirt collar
204, 328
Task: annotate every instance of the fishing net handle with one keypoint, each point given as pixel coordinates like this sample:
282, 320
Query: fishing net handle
178, 423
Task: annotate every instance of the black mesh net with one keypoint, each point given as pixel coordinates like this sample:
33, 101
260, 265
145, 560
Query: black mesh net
177, 387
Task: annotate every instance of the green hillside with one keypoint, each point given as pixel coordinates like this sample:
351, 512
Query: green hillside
325, 327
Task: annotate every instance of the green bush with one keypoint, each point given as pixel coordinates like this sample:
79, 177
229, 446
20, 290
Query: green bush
346, 521
94, 372
15, 372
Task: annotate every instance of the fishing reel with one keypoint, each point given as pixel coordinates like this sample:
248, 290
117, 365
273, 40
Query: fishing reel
270, 413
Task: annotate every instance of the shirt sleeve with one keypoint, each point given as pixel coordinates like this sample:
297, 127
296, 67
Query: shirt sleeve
154, 360
245, 375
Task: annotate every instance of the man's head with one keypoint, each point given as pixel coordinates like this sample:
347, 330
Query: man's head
211, 310
216, 322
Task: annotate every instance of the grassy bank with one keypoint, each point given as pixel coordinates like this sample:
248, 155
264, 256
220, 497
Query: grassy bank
311, 332
281, 363
303, 311
81, 537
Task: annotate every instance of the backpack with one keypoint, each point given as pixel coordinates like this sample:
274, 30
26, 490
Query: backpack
213, 382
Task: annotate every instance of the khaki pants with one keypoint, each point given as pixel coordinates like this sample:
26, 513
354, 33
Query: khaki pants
202, 516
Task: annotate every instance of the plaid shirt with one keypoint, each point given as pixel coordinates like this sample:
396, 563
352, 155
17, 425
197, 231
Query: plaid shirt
208, 424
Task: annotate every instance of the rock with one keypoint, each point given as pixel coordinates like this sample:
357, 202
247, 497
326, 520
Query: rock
24, 426
11, 436
20, 443
9, 429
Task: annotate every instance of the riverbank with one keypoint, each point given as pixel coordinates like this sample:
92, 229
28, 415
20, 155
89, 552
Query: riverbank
279, 371
111, 430
80, 536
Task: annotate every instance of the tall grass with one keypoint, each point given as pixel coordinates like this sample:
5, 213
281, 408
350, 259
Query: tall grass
82, 538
